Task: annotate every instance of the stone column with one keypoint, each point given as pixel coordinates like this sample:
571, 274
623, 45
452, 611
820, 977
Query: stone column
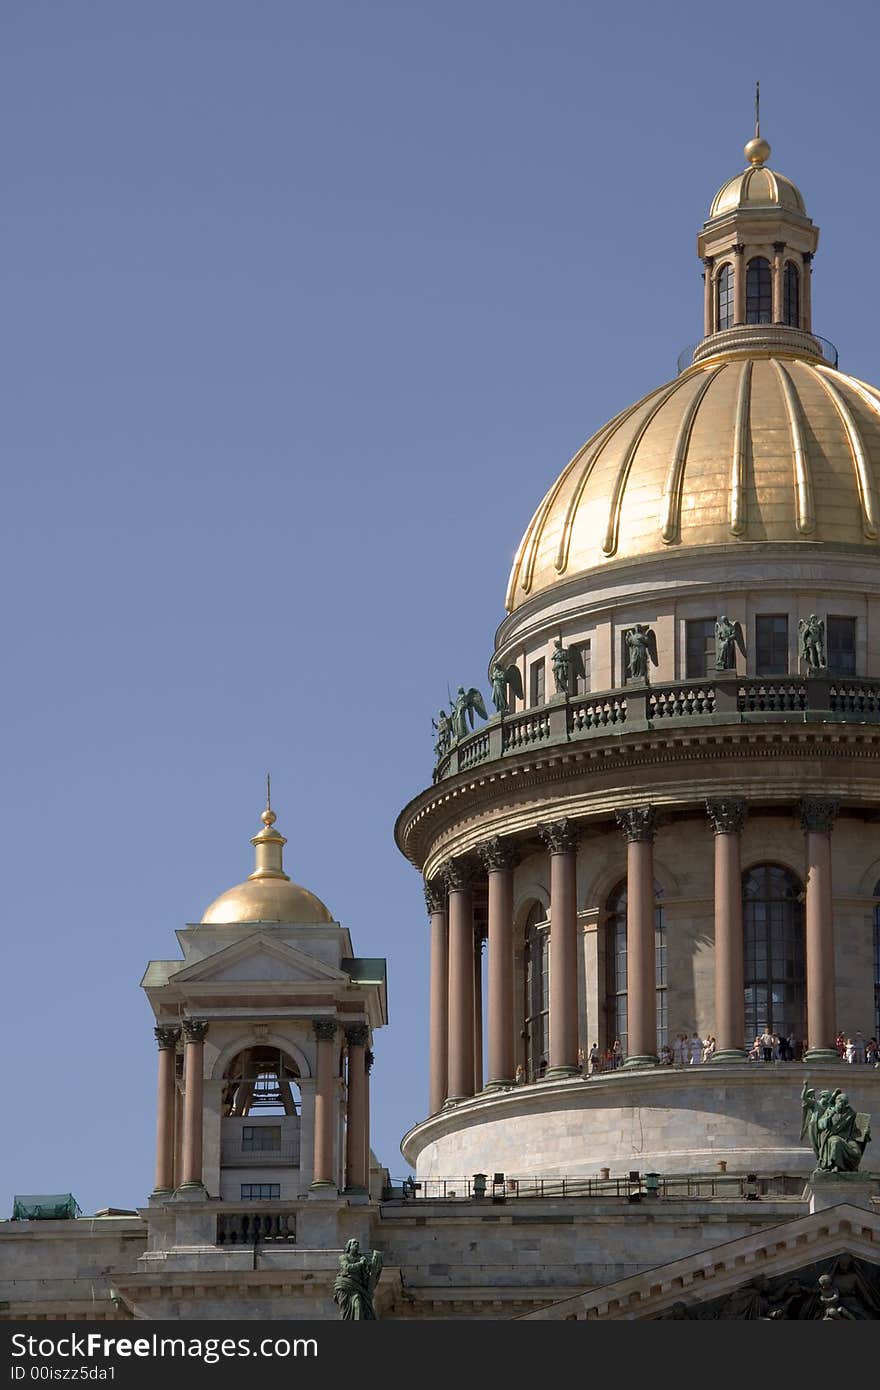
739, 285
639, 824
193, 1117
368, 1067
561, 839
325, 1033
817, 817
497, 858
165, 1108
708, 296
357, 1036
461, 981
728, 815
777, 281
807, 293
438, 1036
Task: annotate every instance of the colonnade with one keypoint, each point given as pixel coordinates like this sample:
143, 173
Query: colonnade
714, 265
357, 1132
453, 1035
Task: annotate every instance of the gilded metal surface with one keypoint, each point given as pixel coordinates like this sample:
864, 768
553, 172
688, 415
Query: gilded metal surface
757, 187
268, 895
760, 446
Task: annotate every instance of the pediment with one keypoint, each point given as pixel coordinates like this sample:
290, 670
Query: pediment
750, 1278
259, 958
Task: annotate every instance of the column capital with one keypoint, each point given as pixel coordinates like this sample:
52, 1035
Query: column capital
637, 822
727, 814
779, 247
560, 836
739, 248
167, 1038
708, 262
817, 813
194, 1030
807, 258
325, 1029
458, 875
435, 896
357, 1034
496, 854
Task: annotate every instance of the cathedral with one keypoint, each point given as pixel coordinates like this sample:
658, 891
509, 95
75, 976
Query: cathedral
652, 878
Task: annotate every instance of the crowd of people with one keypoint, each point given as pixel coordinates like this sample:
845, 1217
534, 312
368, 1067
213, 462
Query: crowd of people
692, 1050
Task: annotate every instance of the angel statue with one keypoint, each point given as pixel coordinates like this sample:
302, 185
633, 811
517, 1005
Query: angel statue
467, 703
568, 665
502, 677
356, 1282
728, 636
641, 646
443, 725
838, 1134
812, 634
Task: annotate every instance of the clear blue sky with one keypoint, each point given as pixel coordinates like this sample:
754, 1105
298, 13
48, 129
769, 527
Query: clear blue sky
304, 306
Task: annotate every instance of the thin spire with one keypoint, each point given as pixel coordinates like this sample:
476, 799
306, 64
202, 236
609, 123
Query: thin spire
757, 110
268, 791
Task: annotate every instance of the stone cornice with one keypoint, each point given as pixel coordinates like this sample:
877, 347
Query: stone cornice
513, 795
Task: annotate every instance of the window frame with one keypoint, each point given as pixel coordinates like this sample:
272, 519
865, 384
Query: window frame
250, 1196
787, 280
725, 296
759, 291
538, 678
709, 633
837, 668
248, 1144
762, 667
771, 937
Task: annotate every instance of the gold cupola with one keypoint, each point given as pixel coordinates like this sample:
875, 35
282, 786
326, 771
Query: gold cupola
758, 443
268, 894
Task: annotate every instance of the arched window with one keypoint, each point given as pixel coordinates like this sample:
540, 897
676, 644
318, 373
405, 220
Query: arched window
774, 973
877, 963
725, 296
537, 991
759, 291
615, 966
791, 296
259, 1078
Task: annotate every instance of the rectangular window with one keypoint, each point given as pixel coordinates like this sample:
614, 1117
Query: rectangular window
840, 636
261, 1138
537, 683
771, 644
699, 647
583, 680
260, 1191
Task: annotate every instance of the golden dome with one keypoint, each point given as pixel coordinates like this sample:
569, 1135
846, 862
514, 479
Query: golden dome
760, 447
268, 895
757, 187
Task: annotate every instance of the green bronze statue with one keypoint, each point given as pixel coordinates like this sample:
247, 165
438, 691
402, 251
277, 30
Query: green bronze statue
837, 1133
467, 704
356, 1282
504, 680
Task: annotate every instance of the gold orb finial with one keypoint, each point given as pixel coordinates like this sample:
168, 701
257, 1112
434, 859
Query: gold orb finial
757, 151
268, 817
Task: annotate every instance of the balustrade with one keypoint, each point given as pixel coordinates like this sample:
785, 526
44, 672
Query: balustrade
250, 1227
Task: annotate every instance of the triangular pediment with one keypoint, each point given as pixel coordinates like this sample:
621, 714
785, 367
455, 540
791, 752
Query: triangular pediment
747, 1278
259, 958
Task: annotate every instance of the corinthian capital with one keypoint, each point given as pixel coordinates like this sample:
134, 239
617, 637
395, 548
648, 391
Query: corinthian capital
637, 822
727, 814
560, 836
458, 875
435, 896
357, 1034
325, 1029
166, 1038
818, 812
496, 854
194, 1030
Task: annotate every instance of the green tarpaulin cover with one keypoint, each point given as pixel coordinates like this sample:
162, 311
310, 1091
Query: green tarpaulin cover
53, 1206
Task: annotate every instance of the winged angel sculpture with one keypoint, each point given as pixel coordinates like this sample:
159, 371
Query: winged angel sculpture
728, 636
453, 725
504, 680
641, 647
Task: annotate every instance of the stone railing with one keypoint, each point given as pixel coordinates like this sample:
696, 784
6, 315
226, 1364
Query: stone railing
256, 1226
720, 700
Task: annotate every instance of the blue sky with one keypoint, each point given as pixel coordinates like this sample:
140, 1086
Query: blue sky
304, 307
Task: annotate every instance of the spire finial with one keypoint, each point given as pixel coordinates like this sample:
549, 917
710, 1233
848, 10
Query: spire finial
757, 151
268, 817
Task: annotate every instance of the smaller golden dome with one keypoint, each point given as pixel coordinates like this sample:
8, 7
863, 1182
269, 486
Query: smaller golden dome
757, 186
268, 895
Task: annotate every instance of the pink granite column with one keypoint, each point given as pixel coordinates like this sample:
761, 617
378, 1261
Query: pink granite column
497, 858
461, 981
438, 1044
193, 1104
479, 942
561, 838
368, 1067
817, 817
638, 824
357, 1036
165, 1106
728, 815
325, 1087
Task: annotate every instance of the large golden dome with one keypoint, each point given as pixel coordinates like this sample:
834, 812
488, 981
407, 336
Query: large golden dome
268, 895
743, 448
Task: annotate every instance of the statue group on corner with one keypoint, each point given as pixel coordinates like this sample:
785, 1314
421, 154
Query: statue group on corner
838, 1134
355, 1284
453, 725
